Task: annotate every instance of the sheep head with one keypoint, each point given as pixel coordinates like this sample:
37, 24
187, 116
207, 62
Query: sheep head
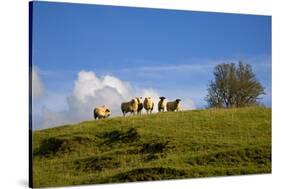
178, 100
139, 99
134, 101
107, 112
162, 98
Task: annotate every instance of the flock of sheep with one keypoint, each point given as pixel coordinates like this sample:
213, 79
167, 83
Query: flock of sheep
136, 105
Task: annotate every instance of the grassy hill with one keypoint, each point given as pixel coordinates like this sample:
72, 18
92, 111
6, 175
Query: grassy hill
187, 144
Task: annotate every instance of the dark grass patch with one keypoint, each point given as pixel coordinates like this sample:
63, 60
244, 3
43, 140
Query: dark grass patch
148, 174
157, 147
52, 146
259, 156
151, 157
55, 146
154, 150
117, 136
135, 150
161, 173
81, 140
96, 164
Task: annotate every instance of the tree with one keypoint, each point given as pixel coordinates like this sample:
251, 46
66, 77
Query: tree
233, 86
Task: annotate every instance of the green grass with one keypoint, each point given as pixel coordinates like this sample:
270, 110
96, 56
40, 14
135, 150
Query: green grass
187, 144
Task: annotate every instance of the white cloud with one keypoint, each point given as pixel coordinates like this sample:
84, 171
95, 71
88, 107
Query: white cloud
48, 118
88, 84
192, 66
37, 85
90, 91
187, 104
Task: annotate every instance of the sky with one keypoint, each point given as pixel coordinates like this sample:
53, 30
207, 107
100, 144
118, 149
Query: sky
84, 56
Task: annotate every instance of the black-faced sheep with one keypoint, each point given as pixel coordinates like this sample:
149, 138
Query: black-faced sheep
101, 112
131, 107
173, 106
161, 104
140, 104
148, 104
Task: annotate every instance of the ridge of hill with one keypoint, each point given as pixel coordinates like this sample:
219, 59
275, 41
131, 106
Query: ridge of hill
169, 145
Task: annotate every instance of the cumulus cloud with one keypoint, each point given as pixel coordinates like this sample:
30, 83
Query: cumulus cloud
37, 85
90, 91
187, 104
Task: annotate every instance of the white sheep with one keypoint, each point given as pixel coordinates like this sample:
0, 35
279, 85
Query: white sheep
161, 104
101, 112
131, 107
140, 104
173, 105
148, 104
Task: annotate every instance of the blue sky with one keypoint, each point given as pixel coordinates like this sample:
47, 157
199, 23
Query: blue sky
172, 52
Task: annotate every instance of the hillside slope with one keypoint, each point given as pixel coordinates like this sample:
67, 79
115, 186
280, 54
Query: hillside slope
186, 144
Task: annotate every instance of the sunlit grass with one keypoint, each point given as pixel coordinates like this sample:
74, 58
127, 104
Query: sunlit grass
185, 144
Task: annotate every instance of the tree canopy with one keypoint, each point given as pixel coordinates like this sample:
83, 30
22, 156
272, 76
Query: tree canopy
233, 86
